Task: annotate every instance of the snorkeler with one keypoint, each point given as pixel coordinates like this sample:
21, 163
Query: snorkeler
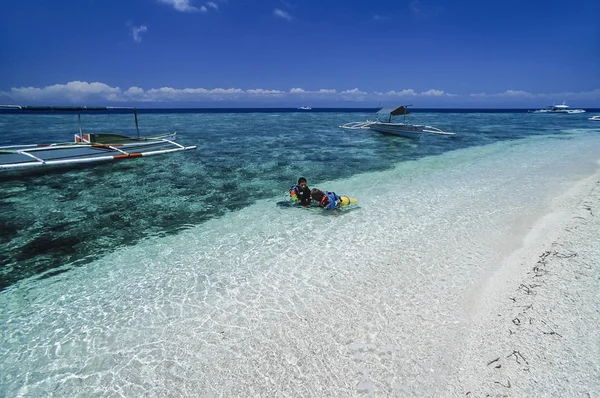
327, 200
300, 193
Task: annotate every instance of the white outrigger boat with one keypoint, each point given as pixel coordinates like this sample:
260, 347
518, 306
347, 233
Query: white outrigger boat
87, 147
384, 124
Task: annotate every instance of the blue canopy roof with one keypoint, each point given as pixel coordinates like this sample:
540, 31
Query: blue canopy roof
394, 111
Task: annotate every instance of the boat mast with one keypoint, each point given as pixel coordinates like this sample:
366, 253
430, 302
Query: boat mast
137, 128
79, 124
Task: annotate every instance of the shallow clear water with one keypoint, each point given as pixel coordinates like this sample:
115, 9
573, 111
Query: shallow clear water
73, 215
179, 274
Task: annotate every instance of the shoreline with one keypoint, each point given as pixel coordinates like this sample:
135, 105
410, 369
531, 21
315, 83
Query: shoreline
533, 329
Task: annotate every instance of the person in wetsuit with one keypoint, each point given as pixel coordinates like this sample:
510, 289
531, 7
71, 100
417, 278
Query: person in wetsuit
300, 192
327, 200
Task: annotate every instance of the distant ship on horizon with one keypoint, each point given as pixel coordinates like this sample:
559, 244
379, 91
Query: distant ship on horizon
305, 108
564, 108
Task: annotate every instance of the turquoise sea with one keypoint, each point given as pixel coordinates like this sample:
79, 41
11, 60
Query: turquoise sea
178, 275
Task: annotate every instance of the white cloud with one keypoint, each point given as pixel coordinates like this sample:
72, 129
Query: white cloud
322, 91
354, 91
73, 91
194, 91
80, 92
226, 91
187, 94
282, 14
135, 90
136, 32
353, 95
403, 93
515, 93
260, 91
210, 4
433, 93
180, 5
203, 9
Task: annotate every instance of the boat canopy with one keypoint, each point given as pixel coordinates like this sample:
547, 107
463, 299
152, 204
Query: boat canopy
394, 111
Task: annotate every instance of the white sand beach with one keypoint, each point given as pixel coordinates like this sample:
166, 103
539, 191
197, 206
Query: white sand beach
534, 326
474, 273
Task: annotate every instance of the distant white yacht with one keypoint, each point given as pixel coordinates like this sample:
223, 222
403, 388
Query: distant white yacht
596, 118
305, 108
564, 108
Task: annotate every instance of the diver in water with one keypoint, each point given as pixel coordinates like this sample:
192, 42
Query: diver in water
300, 193
327, 200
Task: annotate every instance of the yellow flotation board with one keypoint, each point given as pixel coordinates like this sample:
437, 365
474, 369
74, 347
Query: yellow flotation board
346, 201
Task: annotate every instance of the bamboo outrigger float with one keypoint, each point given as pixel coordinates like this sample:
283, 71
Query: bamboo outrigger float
87, 147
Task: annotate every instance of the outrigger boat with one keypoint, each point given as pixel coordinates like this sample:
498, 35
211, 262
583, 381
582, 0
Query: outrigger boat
87, 147
384, 124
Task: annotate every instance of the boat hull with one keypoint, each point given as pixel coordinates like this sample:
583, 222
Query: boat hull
398, 129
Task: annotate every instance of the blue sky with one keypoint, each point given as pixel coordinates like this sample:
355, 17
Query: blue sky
219, 53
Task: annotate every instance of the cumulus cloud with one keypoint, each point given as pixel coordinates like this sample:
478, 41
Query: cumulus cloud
181, 5
135, 90
77, 91
516, 93
163, 94
74, 91
80, 92
260, 91
433, 93
282, 14
403, 93
298, 90
136, 32
354, 91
